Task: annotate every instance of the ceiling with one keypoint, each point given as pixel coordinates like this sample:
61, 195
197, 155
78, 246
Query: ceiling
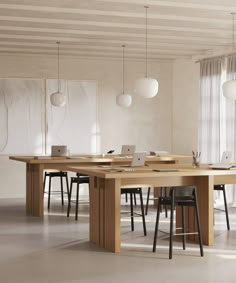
98, 28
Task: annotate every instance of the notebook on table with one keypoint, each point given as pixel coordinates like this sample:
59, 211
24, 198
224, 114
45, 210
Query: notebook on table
58, 150
165, 170
220, 166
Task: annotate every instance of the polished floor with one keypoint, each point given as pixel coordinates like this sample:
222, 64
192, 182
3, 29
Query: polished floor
56, 249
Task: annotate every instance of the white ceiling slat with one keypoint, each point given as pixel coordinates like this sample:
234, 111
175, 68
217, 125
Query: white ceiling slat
91, 12
104, 41
104, 24
68, 48
89, 54
97, 28
106, 34
180, 4
37, 40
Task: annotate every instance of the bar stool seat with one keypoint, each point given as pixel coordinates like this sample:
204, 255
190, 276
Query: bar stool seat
78, 180
55, 174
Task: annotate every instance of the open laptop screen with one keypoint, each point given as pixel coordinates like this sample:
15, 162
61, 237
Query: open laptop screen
138, 159
58, 150
226, 157
128, 149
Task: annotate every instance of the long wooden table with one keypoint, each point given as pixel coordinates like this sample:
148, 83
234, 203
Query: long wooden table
35, 166
105, 197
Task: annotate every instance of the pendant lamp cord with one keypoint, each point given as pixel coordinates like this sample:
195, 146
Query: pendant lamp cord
58, 66
123, 68
146, 7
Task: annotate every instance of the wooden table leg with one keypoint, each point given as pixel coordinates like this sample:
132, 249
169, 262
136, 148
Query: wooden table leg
205, 186
34, 190
105, 213
94, 207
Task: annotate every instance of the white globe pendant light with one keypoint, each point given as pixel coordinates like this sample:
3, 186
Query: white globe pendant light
146, 87
57, 98
229, 87
124, 99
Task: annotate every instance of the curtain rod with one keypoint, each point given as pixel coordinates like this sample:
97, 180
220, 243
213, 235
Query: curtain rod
215, 57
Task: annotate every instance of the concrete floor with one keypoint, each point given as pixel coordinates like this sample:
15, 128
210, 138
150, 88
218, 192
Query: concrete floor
56, 249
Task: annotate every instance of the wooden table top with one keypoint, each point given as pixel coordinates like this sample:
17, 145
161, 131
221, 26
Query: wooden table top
110, 172
58, 160
97, 159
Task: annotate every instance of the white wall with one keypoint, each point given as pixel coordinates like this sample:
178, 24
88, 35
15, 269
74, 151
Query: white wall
186, 98
12, 178
148, 123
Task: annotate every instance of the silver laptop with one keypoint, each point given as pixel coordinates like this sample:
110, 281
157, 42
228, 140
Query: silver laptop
58, 150
128, 149
225, 161
226, 157
138, 159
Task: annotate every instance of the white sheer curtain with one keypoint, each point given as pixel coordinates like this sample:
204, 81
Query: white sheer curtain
229, 109
210, 118
217, 131
229, 118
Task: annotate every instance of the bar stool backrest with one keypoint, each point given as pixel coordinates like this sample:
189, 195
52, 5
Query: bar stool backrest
182, 191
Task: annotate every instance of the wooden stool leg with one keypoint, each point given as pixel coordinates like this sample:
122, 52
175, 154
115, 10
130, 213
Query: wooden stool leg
132, 211
161, 195
67, 186
126, 197
142, 211
44, 184
156, 226
49, 191
147, 202
183, 227
226, 208
62, 196
135, 200
166, 210
69, 199
77, 202
171, 227
198, 223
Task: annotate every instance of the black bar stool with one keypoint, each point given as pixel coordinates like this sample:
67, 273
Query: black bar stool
56, 174
133, 192
183, 197
78, 180
221, 188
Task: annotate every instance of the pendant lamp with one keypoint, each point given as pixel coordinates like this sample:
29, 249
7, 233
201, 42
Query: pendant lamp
57, 98
229, 87
124, 99
146, 87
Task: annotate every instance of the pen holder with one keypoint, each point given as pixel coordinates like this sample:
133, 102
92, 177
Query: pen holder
195, 162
